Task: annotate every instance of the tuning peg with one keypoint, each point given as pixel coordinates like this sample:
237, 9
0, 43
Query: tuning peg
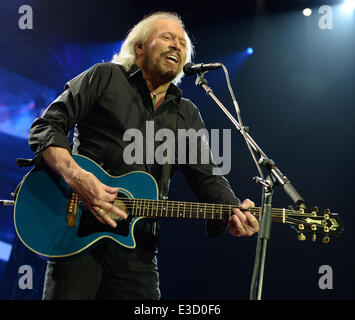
301, 237
314, 211
326, 239
314, 237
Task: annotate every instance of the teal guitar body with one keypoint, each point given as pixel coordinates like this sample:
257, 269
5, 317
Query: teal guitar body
44, 205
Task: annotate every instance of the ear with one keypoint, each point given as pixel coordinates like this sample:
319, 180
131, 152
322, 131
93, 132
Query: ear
138, 47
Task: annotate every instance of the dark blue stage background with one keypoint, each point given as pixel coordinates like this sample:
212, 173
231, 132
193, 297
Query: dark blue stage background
295, 91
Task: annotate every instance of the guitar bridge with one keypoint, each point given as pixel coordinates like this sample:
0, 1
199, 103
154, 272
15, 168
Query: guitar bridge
72, 209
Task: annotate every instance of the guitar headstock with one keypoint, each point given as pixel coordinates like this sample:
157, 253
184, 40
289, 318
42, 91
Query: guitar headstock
325, 223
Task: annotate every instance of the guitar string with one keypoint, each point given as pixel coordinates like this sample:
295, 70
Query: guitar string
180, 203
209, 211
202, 206
214, 215
212, 212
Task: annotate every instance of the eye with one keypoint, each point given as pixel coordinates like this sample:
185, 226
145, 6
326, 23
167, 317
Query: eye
166, 37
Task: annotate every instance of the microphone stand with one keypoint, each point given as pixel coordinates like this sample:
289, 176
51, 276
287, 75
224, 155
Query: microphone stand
275, 178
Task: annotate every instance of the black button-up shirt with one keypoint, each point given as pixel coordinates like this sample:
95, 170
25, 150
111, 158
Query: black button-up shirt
101, 104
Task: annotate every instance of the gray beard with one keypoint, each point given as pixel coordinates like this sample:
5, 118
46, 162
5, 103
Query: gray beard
156, 72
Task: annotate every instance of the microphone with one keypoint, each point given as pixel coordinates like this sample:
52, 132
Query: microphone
190, 68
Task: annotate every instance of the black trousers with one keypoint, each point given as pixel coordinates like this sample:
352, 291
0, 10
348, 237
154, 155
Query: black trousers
109, 271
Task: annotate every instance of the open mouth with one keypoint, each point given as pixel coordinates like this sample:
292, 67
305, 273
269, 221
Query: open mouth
172, 58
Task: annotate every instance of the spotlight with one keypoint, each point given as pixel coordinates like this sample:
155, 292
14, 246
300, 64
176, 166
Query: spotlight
349, 5
250, 50
307, 12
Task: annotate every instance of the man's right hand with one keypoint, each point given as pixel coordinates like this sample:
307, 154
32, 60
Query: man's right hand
95, 195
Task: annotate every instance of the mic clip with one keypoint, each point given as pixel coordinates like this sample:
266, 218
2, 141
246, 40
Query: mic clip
200, 80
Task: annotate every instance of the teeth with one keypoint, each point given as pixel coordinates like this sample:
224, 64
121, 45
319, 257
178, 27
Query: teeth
173, 58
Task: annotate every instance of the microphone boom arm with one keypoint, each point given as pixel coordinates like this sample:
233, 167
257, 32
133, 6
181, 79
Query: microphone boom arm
264, 160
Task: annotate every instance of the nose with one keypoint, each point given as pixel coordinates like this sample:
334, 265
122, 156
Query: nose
175, 44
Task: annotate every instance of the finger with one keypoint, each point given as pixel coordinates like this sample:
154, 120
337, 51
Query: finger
102, 216
252, 221
108, 220
246, 204
96, 211
109, 197
108, 207
240, 215
112, 190
235, 226
98, 217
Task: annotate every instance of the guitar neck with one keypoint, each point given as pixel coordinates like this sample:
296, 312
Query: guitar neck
194, 210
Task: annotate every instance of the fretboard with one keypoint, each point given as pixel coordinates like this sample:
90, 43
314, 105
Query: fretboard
195, 210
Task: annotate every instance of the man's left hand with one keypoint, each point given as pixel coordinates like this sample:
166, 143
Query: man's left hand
242, 224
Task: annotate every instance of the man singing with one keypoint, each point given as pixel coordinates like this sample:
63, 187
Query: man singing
139, 85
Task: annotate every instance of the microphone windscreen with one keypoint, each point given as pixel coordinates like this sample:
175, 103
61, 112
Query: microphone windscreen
187, 69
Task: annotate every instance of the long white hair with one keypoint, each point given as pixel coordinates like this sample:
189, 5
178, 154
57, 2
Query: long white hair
139, 33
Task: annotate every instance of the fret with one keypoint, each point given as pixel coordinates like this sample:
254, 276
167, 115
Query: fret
204, 214
190, 210
172, 209
159, 203
134, 207
221, 213
144, 208
198, 209
178, 215
181, 212
166, 211
140, 207
156, 214
162, 208
212, 211
147, 206
136, 204
153, 208
184, 209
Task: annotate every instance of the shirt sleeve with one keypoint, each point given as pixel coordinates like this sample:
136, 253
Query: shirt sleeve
205, 183
79, 96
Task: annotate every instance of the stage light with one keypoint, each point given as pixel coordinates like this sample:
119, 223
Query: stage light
5, 251
349, 5
307, 12
250, 50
